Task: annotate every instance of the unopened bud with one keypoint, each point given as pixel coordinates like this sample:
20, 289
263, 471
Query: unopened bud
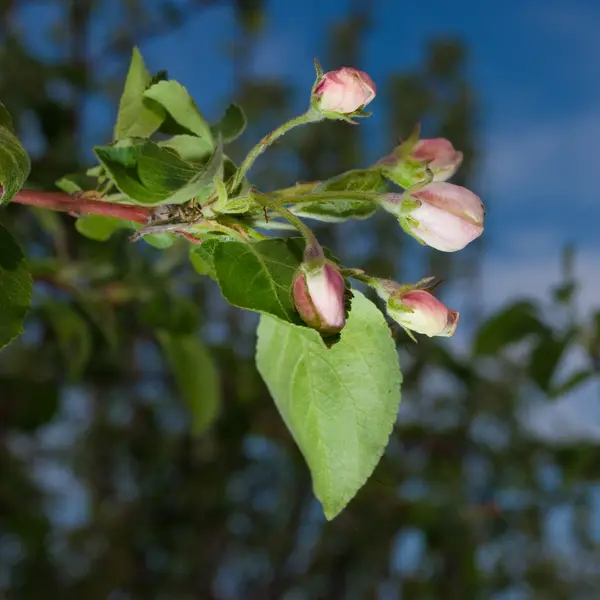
419, 311
434, 158
318, 292
344, 91
442, 215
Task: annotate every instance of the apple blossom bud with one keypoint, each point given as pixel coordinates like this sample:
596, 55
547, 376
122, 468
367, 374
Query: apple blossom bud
419, 311
408, 168
442, 215
318, 293
344, 91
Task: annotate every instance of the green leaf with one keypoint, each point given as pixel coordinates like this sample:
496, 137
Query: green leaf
258, 276
202, 256
15, 288
99, 227
76, 182
190, 147
160, 241
232, 125
138, 116
150, 174
73, 336
14, 160
507, 327
546, 356
575, 380
174, 314
340, 209
28, 403
174, 98
195, 375
340, 404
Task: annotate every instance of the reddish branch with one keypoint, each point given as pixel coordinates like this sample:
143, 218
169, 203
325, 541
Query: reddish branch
78, 205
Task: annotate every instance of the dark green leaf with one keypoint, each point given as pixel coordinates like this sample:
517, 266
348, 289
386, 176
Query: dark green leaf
138, 116
232, 125
151, 174
511, 325
15, 288
340, 404
258, 276
195, 375
174, 98
14, 161
546, 356
170, 313
202, 256
73, 336
28, 403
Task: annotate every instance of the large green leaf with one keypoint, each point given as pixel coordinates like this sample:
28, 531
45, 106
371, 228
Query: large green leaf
341, 209
138, 116
14, 161
151, 174
195, 375
174, 98
258, 276
340, 404
15, 288
508, 326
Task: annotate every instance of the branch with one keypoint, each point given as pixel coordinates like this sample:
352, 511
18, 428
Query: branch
78, 205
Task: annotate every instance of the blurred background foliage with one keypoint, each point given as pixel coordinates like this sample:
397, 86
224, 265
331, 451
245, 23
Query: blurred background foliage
107, 491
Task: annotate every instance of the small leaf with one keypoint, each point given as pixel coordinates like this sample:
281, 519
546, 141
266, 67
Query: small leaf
546, 356
14, 160
195, 375
340, 404
174, 98
76, 182
138, 116
160, 241
73, 336
99, 227
507, 327
258, 276
15, 288
575, 380
340, 209
232, 125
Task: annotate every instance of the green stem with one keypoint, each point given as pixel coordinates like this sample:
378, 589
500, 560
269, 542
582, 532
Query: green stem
327, 197
271, 202
310, 116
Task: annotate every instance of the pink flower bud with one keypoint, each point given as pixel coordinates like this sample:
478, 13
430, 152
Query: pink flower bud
441, 157
319, 297
442, 215
344, 91
419, 311
409, 167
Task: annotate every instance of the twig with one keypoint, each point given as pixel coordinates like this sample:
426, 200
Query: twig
79, 205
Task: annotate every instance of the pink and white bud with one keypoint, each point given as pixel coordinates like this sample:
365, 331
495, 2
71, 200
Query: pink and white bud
442, 215
343, 91
319, 297
408, 164
440, 155
419, 311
